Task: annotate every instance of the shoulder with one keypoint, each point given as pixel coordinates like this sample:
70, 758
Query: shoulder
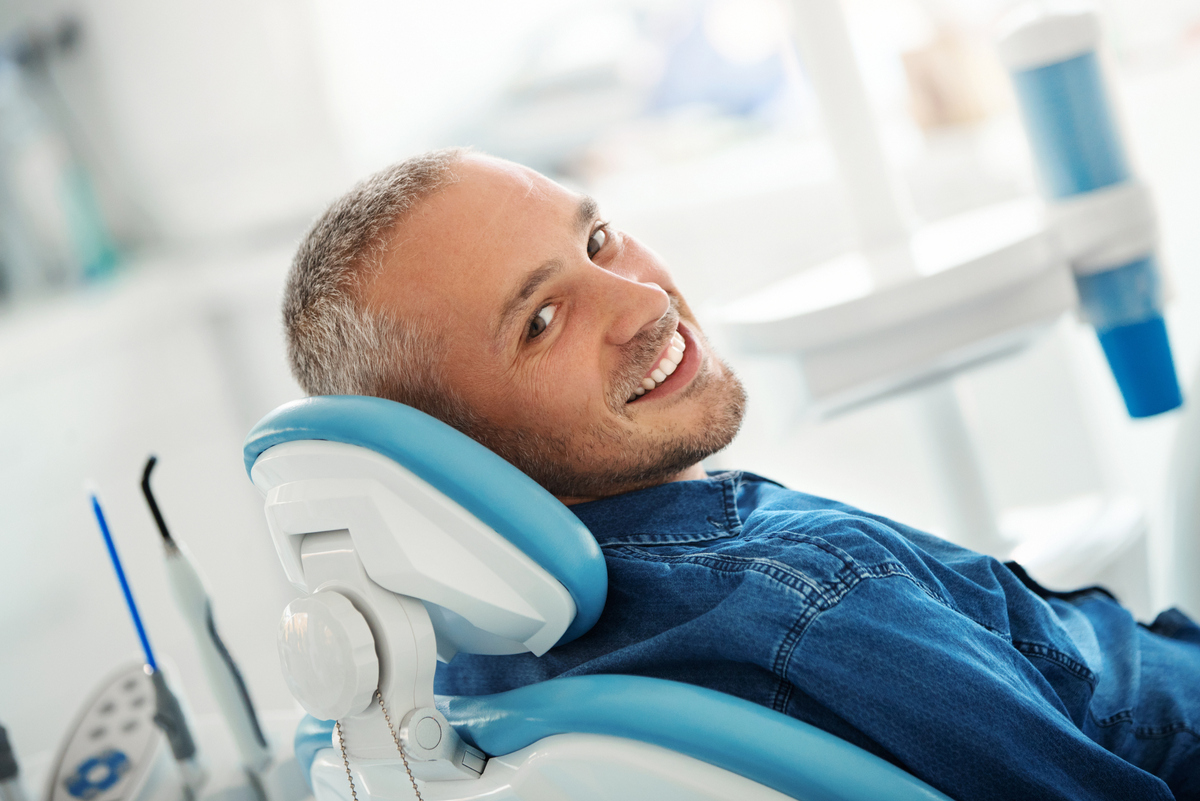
804, 548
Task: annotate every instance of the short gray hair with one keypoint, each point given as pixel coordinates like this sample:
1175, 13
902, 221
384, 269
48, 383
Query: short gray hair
338, 346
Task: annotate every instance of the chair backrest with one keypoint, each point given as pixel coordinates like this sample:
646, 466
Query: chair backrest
501, 565
427, 513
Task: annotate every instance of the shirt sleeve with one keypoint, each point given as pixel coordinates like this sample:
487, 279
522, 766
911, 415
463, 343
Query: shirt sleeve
954, 703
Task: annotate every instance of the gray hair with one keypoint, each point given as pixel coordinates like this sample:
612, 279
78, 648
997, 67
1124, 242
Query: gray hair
338, 346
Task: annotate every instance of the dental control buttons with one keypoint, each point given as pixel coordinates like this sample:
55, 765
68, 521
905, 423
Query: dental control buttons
328, 655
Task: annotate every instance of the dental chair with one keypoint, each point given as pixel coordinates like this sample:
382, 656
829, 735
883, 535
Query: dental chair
411, 543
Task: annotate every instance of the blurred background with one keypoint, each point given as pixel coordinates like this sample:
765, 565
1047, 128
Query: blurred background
159, 160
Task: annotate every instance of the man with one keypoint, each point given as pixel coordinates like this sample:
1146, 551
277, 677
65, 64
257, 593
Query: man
498, 301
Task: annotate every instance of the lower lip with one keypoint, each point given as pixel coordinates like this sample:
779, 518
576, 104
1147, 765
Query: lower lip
683, 374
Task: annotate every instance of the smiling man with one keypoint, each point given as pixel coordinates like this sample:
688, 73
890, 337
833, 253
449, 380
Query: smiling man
496, 300
508, 307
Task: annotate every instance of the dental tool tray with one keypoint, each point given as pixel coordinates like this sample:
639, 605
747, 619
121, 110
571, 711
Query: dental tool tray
972, 288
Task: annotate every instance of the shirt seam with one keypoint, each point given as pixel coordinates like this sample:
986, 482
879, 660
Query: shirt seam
1072, 665
729, 489
775, 570
1144, 732
883, 569
841, 584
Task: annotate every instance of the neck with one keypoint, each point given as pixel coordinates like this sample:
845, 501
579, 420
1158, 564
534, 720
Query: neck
693, 473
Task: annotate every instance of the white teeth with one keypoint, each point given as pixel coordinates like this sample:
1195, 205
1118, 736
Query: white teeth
666, 366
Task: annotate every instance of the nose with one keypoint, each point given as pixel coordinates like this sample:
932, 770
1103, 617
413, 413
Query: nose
631, 307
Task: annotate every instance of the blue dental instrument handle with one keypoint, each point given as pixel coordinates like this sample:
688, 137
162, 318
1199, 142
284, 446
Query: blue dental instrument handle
129, 602
1104, 215
169, 714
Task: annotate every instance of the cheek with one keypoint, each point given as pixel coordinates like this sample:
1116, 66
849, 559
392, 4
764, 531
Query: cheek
565, 385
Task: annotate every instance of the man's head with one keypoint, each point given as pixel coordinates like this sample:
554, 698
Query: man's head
496, 300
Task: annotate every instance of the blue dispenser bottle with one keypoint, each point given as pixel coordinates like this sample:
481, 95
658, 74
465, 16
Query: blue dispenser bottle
1103, 216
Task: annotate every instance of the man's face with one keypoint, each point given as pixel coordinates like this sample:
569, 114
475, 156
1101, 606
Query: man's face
550, 321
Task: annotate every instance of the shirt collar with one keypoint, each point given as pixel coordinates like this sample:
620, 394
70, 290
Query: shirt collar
675, 512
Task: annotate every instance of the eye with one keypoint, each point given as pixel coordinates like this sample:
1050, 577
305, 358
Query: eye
541, 321
596, 241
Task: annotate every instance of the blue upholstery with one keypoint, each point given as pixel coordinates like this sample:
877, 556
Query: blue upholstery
760, 744
481, 482
311, 736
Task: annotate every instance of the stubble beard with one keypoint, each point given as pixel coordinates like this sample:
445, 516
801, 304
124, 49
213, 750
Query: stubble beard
606, 459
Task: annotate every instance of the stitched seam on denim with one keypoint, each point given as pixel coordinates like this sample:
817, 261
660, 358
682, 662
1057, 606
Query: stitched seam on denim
1158, 732
830, 594
889, 569
783, 694
784, 574
884, 569
1144, 732
733, 521
677, 538
1073, 666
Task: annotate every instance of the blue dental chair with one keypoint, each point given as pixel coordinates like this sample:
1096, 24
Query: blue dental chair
411, 542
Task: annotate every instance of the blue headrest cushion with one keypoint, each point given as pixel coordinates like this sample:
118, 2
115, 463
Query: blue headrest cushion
484, 484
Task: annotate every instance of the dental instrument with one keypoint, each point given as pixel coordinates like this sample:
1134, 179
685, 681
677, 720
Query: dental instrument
1102, 215
224, 678
114, 748
10, 778
168, 714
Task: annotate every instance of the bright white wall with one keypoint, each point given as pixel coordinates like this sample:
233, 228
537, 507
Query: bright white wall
202, 121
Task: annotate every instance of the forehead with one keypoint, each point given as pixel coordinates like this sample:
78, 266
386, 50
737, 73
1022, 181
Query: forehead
473, 240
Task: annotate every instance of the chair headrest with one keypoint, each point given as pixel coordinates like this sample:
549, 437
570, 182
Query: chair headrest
481, 482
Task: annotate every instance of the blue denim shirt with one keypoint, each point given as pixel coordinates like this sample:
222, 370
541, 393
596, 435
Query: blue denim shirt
945, 662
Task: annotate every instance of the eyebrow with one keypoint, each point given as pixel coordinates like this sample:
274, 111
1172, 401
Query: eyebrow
588, 210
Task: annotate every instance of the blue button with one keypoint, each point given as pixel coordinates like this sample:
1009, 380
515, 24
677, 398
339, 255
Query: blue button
97, 774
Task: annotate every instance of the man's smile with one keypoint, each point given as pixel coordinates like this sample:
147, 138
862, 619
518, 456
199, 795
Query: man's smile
674, 368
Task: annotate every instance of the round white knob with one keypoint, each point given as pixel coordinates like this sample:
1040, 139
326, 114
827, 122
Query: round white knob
328, 655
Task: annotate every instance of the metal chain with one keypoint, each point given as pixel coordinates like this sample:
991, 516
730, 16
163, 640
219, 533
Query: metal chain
399, 747
337, 724
404, 757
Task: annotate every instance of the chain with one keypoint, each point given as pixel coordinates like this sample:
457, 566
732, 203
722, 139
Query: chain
404, 757
399, 747
337, 724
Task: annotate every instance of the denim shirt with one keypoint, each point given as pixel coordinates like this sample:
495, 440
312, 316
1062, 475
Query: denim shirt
948, 663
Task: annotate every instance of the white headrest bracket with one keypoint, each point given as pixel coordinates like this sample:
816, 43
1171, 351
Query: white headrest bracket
483, 594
